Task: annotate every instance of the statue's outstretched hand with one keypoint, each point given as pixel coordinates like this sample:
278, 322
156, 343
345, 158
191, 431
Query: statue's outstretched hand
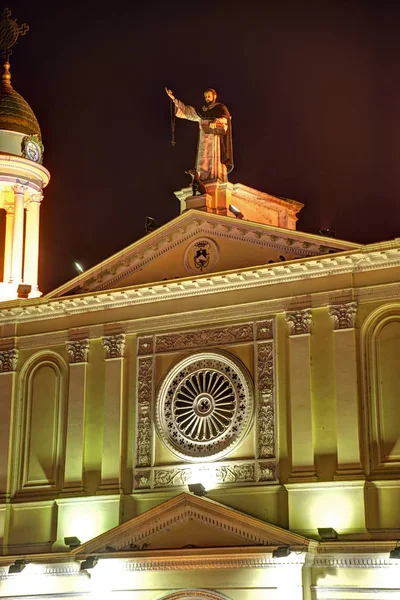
170, 93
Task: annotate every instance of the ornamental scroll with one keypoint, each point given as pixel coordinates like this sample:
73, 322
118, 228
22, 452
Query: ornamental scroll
262, 467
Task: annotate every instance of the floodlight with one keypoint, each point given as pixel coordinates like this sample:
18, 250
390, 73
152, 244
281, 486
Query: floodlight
17, 567
23, 290
395, 553
197, 489
327, 533
89, 563
281, 552
72, 542
236, 211
150, 224
327, 233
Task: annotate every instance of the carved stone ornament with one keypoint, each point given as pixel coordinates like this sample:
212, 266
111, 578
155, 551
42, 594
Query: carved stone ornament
267, 471
204, 406
201, 255
265, 330
235, 472
299, 321
114, 345
145, 345
204, 337
8, 360
78, 351
266, 412
143, 417
343, 315
19, 189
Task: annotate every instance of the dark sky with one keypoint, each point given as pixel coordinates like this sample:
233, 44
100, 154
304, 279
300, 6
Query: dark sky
313, 89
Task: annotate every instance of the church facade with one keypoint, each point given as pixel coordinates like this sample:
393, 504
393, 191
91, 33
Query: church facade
211, 414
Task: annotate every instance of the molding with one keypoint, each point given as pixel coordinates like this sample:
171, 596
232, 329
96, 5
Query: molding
354, 561
144, 412
343, 315
114, 345
148, 475
266, 426
8, 360
357, 261
78, 351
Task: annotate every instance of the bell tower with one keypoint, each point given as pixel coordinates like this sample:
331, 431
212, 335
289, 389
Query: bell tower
22, 178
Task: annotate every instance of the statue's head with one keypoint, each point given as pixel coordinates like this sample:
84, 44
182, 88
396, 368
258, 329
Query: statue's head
210, 95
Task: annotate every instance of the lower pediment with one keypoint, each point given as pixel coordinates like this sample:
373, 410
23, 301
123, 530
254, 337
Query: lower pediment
188, 521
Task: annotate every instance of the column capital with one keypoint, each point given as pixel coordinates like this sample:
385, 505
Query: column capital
78, 351
36, 198
19, 188
8, 360
299, 321
343, 315
114, 345
9, 208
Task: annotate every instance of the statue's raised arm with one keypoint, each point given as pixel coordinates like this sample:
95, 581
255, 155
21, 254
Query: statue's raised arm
214, 150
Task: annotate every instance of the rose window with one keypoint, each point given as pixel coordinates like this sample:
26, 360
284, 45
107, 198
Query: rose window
204, 406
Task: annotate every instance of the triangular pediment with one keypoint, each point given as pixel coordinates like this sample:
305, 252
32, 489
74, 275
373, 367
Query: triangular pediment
188, 521
196, 244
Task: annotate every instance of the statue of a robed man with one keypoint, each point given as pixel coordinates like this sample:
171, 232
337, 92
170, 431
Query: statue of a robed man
214, 150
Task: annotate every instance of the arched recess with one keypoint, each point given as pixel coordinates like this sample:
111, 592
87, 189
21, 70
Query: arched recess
41, 424
194, 595
380, 342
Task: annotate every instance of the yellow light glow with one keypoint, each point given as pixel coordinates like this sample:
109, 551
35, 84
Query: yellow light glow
204, 474
337, 511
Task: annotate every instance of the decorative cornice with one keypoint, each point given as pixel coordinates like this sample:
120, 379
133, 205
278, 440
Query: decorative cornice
367, 260
299, 321
78, 350
8, 360
114, 345
344, 315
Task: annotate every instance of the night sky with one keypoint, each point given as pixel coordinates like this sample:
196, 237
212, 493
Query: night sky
313, 89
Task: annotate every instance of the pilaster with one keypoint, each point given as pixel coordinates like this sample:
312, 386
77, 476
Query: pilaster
347, 416
78, 352
8, 365
113, 398
302, 446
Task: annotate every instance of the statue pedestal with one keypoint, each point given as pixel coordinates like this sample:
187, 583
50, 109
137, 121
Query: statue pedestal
255, 206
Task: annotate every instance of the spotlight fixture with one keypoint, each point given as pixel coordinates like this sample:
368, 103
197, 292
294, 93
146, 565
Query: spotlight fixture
23, 290
150, 224
17, 567
327, 533
327, 233
236, 211
395, 553
72, 542
281, 552
197, 489
89, 563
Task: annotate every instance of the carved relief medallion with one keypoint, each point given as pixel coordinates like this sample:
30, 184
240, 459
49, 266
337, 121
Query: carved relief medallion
201, 256
205, 406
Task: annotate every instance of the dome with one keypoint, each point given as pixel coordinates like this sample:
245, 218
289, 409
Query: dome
15, 113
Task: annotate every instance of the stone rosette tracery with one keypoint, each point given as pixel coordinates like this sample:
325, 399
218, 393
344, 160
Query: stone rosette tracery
204, 406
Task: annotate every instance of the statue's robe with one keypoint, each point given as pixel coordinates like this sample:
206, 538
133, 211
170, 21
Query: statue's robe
214, 158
